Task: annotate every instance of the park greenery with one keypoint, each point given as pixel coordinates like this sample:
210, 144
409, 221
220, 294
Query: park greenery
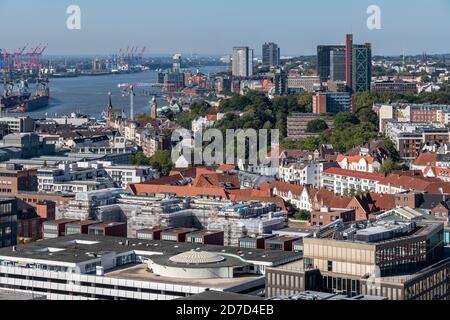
302, 215
161, 161
256, 111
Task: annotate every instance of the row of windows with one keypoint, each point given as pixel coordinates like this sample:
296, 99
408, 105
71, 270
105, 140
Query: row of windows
87, 284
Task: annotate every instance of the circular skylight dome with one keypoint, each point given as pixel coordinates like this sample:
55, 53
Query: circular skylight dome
197, 257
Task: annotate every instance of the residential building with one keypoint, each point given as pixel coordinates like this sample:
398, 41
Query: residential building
304, 173
242, 65
342, 181
359, 163
122, 176
409, 138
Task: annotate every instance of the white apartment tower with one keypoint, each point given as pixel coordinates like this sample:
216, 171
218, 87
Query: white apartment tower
242, 62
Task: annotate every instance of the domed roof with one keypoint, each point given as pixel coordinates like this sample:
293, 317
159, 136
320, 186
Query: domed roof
197, 257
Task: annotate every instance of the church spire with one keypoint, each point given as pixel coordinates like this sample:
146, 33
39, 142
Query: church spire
109, 111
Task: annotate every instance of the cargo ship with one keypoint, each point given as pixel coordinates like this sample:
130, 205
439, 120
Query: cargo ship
40, 100
14, 94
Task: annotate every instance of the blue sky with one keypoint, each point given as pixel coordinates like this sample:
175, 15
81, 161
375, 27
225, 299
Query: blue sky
214, 26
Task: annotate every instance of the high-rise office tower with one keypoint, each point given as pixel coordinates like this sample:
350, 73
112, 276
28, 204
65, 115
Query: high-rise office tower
358, 64
361, 67
337, 64
242, 62
176, 63
271, 55
324, 60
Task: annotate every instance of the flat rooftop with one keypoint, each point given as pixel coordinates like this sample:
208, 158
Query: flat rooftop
282, 239
221, 296
141, 273
78, 248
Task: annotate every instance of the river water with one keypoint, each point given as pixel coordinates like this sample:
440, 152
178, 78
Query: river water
89, 95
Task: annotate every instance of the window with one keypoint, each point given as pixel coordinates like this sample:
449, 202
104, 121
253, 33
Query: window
330, 266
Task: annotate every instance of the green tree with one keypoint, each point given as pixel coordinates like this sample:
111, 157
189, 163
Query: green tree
317, 126
139, 159
302, 215
389, 166
162, 161
344, 119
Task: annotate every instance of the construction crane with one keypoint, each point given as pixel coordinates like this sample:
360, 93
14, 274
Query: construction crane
18, 58
128, 90
39, 56
142, 55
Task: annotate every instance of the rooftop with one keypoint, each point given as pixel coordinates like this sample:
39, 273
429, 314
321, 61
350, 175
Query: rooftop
76, 249
141, 273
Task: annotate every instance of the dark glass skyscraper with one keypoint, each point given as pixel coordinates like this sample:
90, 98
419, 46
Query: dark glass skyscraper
351, 63
337, 64
324, 60
271, 55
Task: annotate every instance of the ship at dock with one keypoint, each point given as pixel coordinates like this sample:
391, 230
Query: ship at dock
14, 93
40, 100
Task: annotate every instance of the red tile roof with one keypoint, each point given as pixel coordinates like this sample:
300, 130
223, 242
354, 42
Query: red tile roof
383, 201
218, 180
283, 187
338, 202
226, 167
426, 159
416, 182
355, 159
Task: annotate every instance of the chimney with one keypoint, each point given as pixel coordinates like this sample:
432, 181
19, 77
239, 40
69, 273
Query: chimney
100, 271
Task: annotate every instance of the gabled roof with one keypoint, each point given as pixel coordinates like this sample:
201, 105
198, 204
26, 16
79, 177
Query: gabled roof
416, 182
191, 172
383, 201
324, 195
218, 180
338, 202
355, 159
283, 187
426, 159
